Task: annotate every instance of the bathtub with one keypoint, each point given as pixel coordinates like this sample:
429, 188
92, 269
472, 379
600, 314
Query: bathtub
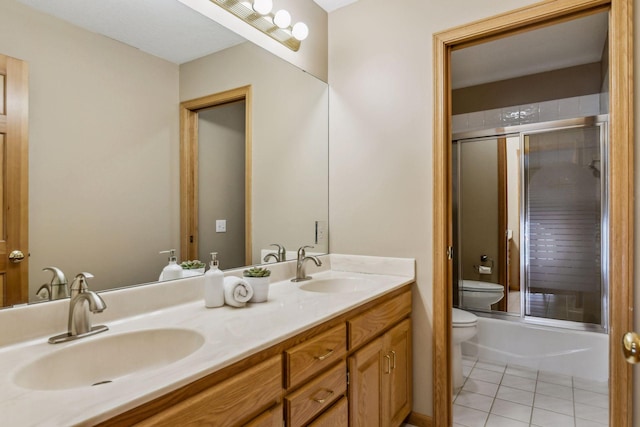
563, 351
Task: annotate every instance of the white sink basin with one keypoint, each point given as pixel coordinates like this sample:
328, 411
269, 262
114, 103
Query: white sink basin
337, 285
104, 359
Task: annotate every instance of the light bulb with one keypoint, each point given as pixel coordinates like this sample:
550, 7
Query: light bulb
282, 19
263, 7
300, 31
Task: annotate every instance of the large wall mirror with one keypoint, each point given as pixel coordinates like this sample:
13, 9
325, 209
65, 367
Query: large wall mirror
104, 141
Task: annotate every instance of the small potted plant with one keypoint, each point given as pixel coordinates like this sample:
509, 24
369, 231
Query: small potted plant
192, 268
258, 278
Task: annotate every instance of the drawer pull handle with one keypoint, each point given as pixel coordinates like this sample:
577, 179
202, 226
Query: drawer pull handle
393, 364
324, 356
328, 392
388, 371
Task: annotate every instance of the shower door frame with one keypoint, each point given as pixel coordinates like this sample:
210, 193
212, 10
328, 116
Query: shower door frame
621, 185
601, 123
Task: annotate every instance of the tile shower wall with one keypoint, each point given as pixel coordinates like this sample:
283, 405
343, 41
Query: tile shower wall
567, 108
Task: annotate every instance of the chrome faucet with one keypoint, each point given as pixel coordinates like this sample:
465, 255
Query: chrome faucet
279, 256
56, 288
301, 275
82, 302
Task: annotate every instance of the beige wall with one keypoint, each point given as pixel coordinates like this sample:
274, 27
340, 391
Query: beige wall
103, 151
479, 209
290, 153
221, 181
381, 126
565, 83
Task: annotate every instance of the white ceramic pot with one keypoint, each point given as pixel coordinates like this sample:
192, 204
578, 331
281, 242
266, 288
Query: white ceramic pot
260, 287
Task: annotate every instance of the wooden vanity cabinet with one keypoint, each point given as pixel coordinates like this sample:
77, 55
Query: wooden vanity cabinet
269, 418
352, 370
228, 402
380, 387
336, 416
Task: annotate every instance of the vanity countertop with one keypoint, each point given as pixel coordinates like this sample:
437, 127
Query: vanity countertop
230, 334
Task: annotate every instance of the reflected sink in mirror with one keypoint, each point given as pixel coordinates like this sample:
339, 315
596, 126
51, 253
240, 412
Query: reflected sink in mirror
105, 359
337, 285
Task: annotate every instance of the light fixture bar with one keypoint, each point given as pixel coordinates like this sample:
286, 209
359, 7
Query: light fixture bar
264, 23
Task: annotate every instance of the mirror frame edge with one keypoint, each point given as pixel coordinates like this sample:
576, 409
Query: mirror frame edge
621, 187
189, 167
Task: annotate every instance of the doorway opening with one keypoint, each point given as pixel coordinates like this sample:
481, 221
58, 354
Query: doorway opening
620, 256
215, 210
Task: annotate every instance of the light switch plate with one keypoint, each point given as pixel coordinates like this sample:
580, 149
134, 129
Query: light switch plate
221, 225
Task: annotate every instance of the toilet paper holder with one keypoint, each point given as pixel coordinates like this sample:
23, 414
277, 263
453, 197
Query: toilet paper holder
483, 268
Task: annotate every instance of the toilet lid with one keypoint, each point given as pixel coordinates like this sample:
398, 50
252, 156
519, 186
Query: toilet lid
463, 318
476, 286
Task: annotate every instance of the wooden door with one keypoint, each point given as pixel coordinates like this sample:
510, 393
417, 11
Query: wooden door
14, 106
397, 396
365, 369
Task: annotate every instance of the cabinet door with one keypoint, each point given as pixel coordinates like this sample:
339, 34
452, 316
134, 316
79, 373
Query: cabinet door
397, 404
365, 368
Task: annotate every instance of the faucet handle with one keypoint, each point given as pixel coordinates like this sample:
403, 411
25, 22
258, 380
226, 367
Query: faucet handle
301, 251
280, 247
58, 276
79, 283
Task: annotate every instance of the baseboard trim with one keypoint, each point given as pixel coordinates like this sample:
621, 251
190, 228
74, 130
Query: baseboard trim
419, 420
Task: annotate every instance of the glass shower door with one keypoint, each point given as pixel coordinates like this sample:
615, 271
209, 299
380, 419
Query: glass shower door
563, 219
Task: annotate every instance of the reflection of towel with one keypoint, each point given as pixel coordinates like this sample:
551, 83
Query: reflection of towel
237, 291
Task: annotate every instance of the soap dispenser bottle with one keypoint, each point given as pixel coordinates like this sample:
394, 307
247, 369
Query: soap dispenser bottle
172, 270
213, 284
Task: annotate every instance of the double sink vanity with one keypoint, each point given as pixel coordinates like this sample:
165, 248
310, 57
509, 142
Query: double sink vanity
332, 351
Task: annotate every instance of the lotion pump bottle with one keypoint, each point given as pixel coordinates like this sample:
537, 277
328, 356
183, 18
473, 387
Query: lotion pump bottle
172, 270
213, 284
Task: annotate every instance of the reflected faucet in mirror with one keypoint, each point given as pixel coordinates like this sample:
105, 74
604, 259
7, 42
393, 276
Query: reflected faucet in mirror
82, 302
56, 288
301, 274
279, 256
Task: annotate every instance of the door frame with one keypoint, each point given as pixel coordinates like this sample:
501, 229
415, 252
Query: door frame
14, 123
621, 185
189, 167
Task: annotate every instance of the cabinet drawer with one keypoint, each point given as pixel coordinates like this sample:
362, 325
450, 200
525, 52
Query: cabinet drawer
228, 403
369, 324
336, 416
304, 360
307, 402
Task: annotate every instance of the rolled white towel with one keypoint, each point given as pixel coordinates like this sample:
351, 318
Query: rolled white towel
237, 291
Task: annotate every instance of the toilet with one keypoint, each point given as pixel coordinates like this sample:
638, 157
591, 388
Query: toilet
465, 327
480, 295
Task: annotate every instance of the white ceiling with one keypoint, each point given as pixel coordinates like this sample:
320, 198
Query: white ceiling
331, 5
164, 28
571, 43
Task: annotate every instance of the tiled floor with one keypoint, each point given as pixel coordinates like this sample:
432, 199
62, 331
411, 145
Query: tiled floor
499, 395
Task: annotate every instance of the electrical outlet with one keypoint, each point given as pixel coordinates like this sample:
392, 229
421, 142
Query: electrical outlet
221, 225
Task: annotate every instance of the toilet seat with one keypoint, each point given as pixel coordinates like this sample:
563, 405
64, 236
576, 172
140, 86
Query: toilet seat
463, 319
477, 286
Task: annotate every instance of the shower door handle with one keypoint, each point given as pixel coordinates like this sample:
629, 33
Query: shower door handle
631, 347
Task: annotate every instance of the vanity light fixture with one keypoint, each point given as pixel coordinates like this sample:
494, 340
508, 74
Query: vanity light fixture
257, 13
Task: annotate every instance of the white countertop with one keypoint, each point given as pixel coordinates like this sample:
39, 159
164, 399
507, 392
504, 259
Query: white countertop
231, 334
